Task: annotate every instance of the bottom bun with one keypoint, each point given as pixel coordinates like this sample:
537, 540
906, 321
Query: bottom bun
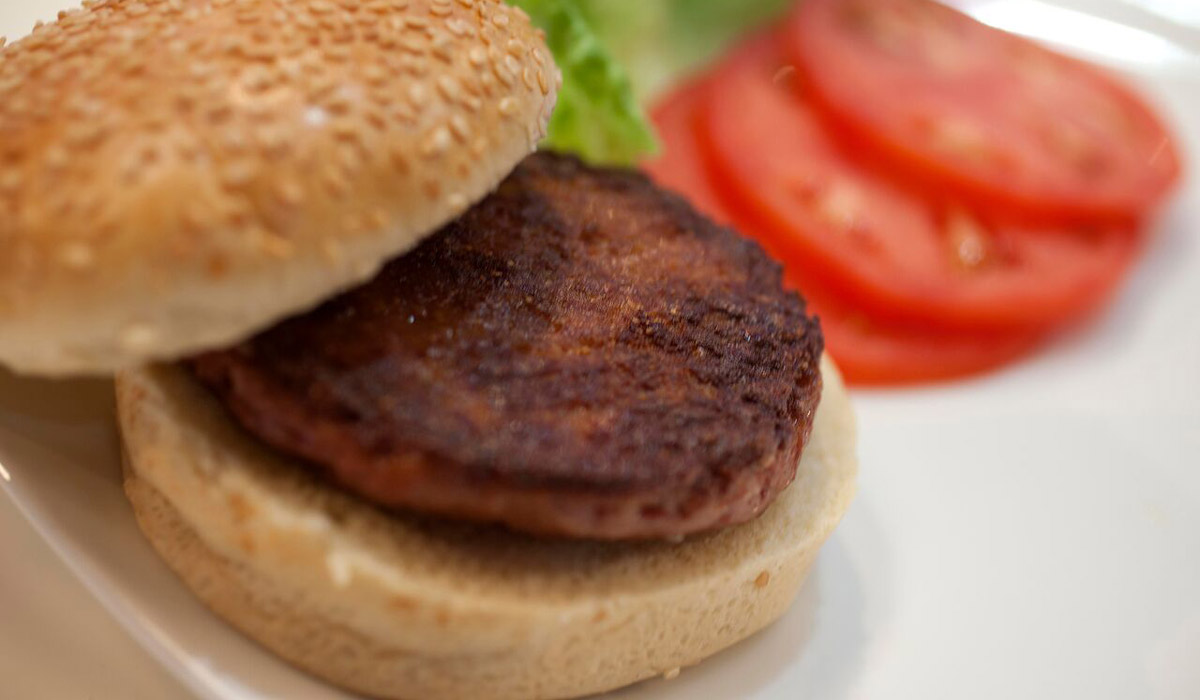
398, 606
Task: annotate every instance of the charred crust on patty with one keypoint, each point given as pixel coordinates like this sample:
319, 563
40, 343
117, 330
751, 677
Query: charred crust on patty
581, 354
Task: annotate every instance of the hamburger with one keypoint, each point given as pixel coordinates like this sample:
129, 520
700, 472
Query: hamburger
426, 413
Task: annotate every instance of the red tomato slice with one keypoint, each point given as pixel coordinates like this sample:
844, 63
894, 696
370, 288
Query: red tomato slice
871, 242
867, 351
980, 114
680, 166
870, 351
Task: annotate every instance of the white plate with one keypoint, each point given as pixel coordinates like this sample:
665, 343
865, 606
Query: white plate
1035, 533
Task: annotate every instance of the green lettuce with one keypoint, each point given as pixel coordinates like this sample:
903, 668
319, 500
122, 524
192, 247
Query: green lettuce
617, 54
660, 41
598, 116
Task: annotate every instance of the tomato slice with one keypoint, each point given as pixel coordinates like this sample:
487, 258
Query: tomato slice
869, 240
867, 351
874, 352
680, 165
980, 114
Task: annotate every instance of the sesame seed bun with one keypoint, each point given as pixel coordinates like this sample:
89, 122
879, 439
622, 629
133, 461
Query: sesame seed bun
398, 607
175, 176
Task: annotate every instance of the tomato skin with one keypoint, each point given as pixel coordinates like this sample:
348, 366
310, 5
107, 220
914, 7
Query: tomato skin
978, 115
680, 166
868, 352
871, 352
841, 224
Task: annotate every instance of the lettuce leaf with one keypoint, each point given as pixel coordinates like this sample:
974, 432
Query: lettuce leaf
660, 41
597, 117
615, 54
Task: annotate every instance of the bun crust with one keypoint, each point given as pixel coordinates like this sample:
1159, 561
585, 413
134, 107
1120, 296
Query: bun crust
175, 176
399, 607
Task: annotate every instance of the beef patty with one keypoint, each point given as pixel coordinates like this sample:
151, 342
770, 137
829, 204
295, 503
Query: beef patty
581, 354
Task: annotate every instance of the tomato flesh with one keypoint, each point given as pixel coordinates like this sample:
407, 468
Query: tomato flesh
867, 239
981, 115
680, 166
867, 350
870, 351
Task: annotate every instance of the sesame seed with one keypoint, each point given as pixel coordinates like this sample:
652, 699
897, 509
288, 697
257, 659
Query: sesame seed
353, 223
77, 255
315, 116
402, 113
432, 188
275, 245
239, 173
378, 218
335, 183
374, 74
347, 129
418, 95
337, 53
512, 64
331, 248
289, 192
487, 82
414, 44
399, 157
273, 140
436, 142
339, 103
505, 78
460, 128
469, 85
449, 88
138, 337
442, 47
374, 117
10, 180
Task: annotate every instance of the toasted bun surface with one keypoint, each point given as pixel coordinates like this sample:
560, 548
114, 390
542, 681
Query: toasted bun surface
398, 607
174, 176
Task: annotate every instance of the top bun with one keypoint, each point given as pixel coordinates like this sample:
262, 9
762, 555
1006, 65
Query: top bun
177, 175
